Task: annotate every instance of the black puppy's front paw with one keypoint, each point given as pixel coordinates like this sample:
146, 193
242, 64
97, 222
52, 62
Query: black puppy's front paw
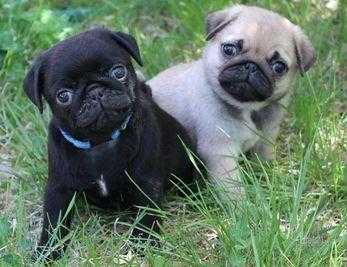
146, 232
143, 241
144, 236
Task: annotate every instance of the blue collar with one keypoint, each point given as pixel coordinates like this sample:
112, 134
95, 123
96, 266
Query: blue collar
86, 144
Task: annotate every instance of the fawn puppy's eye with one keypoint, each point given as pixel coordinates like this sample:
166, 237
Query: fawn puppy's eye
277, 64
232, 49
279, 67
64, 97
118, 72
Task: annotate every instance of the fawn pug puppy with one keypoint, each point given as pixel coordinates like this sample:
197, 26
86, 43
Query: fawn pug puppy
107, 138
231, 99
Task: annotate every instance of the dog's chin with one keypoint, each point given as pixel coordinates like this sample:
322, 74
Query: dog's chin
98, 117
102, 121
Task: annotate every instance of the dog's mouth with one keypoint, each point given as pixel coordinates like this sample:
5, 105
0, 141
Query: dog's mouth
246, 82
103, 108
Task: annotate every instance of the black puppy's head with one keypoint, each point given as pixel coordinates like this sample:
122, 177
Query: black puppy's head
88, 81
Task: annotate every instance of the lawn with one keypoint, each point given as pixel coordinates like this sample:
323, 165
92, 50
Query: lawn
295, 209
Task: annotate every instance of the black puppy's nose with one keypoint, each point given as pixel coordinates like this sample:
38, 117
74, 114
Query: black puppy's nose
97, 93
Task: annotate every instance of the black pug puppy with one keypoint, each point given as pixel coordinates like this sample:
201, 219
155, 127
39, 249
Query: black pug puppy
107, 138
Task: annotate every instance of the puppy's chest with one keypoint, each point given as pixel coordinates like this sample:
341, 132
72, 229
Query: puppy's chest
106, 172
241, 130
102, 185
107, 182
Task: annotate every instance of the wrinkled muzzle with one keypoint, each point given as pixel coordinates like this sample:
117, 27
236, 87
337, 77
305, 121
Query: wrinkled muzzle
104, 105
246, 82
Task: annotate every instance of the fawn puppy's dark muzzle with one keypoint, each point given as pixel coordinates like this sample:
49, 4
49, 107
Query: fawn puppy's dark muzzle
246, 82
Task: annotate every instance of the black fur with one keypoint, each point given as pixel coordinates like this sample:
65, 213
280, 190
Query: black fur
148, 150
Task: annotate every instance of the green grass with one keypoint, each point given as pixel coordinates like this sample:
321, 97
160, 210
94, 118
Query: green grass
295, 210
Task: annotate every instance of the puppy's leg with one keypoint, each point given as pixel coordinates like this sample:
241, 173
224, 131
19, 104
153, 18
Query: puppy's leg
265, 149
226, 175
149, 193
222, 165
55, 219
268, 121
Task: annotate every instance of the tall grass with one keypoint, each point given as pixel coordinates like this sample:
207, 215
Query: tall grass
294, 212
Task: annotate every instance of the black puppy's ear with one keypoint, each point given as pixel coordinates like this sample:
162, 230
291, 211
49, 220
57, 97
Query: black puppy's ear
34, 82
129, 44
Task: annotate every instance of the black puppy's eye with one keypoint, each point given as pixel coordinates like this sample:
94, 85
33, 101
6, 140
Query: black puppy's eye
64, 97
118, 72
279, 67
232, 49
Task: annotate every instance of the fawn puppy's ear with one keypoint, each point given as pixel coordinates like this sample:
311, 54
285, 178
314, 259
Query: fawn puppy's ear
305, 53
218, 20
34, 82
